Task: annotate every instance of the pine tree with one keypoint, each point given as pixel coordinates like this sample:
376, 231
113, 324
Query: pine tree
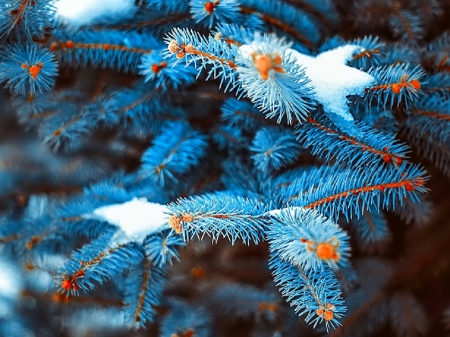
190, 168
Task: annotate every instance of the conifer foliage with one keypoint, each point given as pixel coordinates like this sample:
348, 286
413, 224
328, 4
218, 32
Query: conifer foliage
202, 168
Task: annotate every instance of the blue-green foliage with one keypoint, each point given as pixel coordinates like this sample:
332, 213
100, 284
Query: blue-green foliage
105, 49
183, 149
208, 13
371, 55
162, 248
221, 216
274, 148
427, 127
283, 93
354, 190
233, 33
243, 301
28, 69
430, 119
243, 115
165, 72
294, 233
370, 148
386, 94
249, 156
186, 319
26, 19
230, 138
168, 6
437, 84
99, 262
371, 231
309, 290
143, 291
218, 55
300, 25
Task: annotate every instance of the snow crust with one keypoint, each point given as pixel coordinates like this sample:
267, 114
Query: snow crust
136, 218
85, 12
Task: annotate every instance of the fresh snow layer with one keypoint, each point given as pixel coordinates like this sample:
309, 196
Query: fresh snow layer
136, 218
85, 12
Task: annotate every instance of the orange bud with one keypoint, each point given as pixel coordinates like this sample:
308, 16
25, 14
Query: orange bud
156, 68
409, 187
175, 223
396, 88
66, 284
328, 315
263, 64
189, 49
277, 59
325, 251
70, 44
34, 70
187, 217
209, 7
173, 46
415, 84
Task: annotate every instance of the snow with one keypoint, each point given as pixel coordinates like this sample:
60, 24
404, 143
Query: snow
330, 77
10, 284
41, 278
10, 287
136, 218
85, 12
291, 210
333, 80
109, 320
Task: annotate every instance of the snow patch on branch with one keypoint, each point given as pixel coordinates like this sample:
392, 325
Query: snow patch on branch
330, 79
85, 12
10, 287
333, 80
136, 218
